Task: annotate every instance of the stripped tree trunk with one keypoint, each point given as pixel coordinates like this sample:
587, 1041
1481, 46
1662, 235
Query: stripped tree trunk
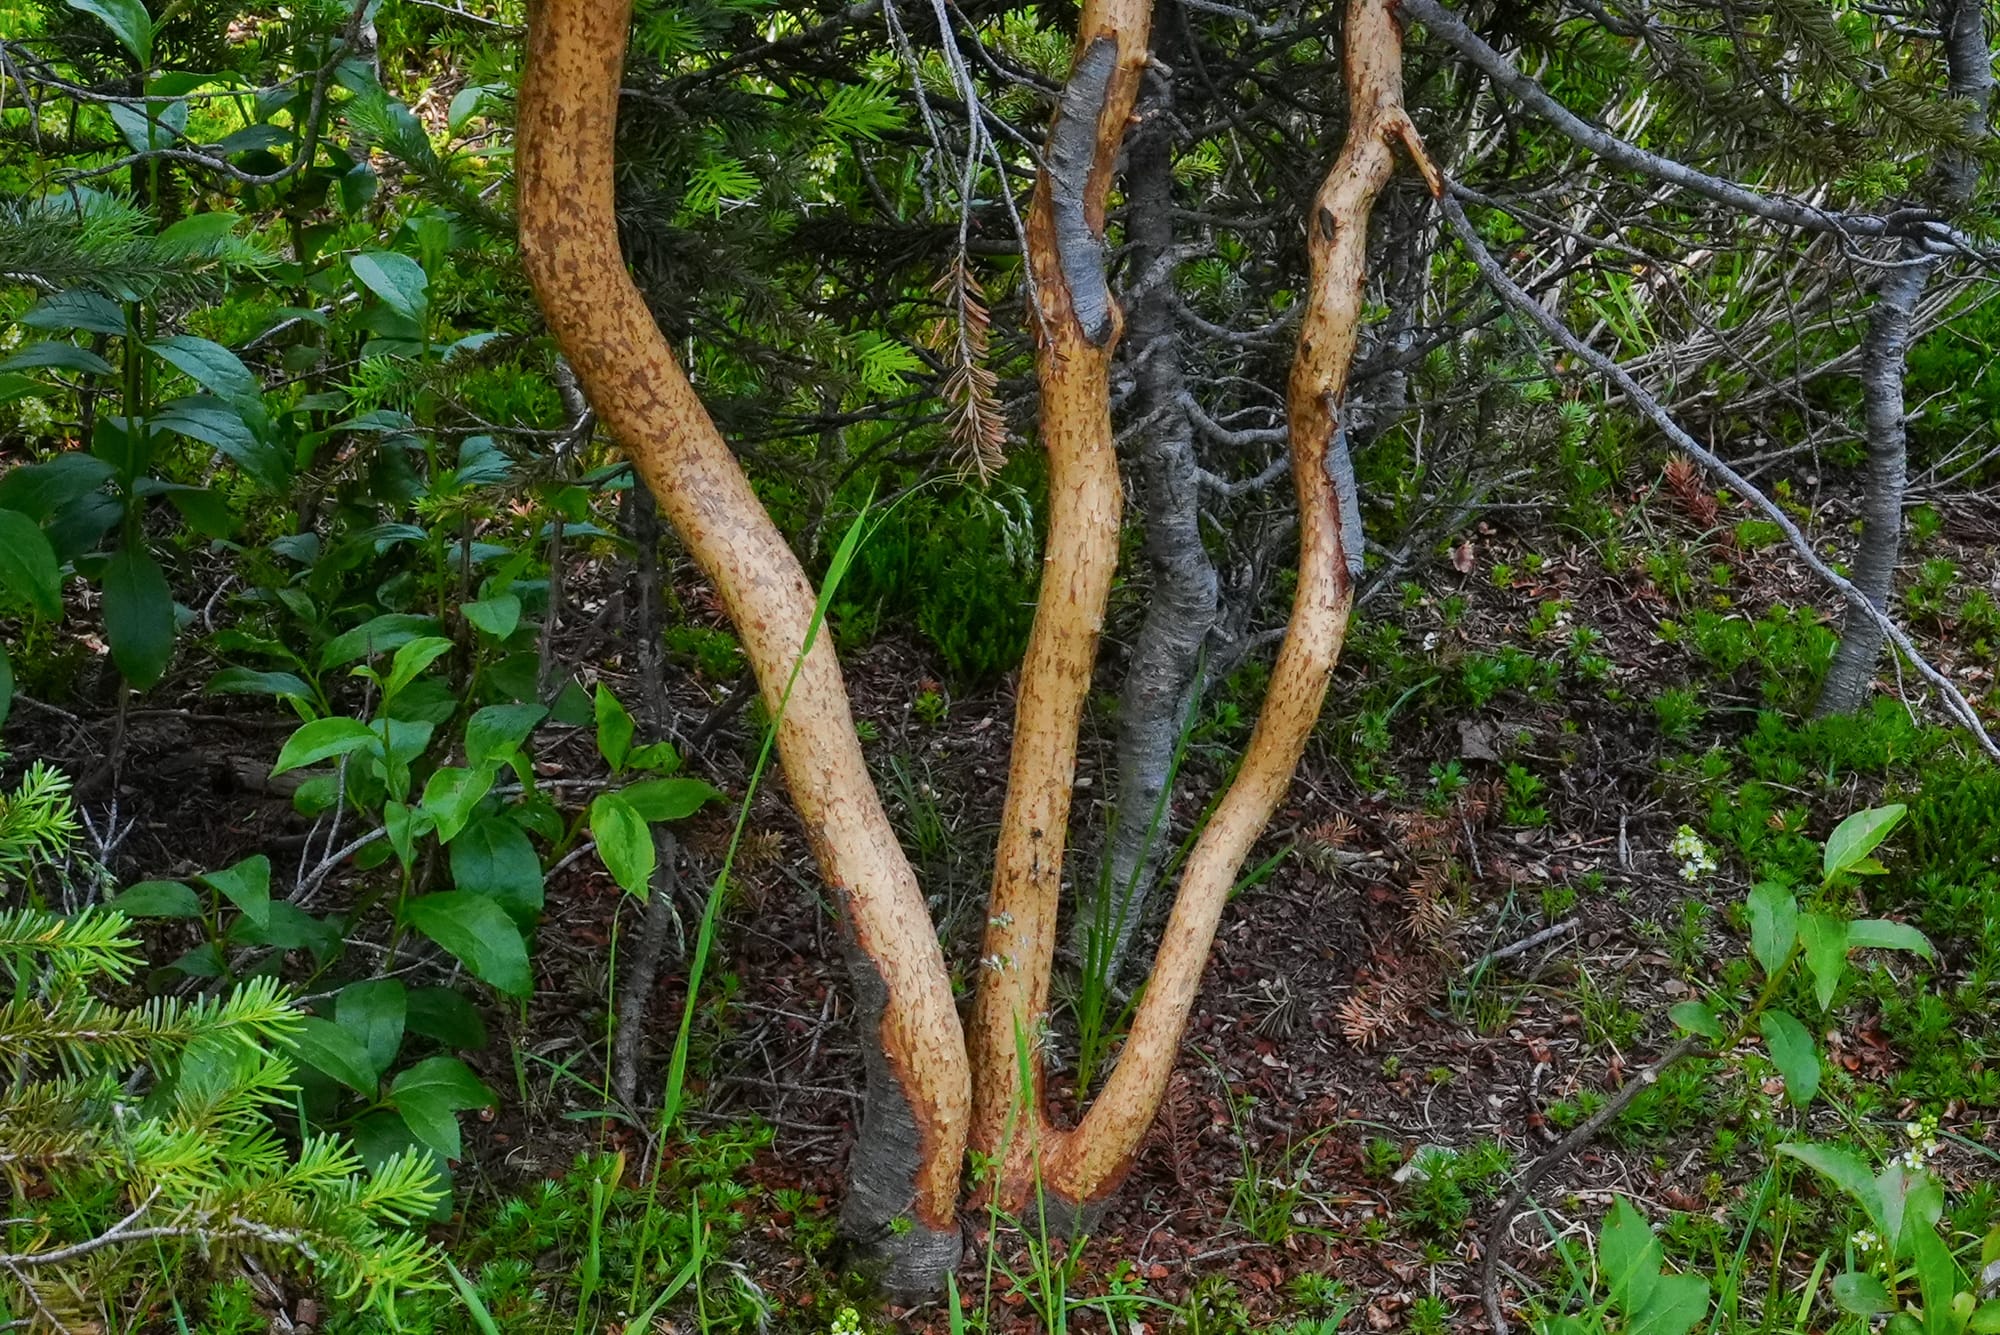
1077, 1170
904, 1173
1183, 592
1079, 328
1884, 357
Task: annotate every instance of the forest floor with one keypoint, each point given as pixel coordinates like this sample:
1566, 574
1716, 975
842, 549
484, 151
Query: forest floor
1486, 776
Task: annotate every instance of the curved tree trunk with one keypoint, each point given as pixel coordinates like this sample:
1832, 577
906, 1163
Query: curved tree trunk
1884, 357
904, 1174
1079, 328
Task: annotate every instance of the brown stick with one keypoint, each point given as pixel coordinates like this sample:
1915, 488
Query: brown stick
906, 1167
1080, 325
1089, 1163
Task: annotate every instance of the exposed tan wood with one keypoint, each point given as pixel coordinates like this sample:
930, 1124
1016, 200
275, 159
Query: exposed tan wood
1087, 1164
1079, 328
569, 244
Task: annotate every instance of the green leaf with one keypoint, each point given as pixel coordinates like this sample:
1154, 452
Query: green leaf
623, 842
1826, 943
479, 932
59, 357
496, 616
40, 490
28, 565
157, 899
247, 885
138, 616
1861, 1294
289, 929
1630, 1257
1793, 1053
494, 858
210, 365
391, 630
213, 422
1881, 934
614, 728
1677, 1305
1856, 837
206, 510
411, 659
76, 309
1986, 1319
430, 1096
442, 1014
335, 1050
374, 1011
322, 739
497, 731
1697, 1018
1845, 1171
397, 279
249, 681
657, 757
1774, 924
450, 795
668, 799
127, 20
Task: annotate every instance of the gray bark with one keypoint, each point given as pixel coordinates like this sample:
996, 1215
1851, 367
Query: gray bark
1884, 359
1163, 675
642, 972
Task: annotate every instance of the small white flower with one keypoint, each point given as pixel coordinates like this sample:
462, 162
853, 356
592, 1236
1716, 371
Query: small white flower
1696, 860
1001, 920
1866, 1241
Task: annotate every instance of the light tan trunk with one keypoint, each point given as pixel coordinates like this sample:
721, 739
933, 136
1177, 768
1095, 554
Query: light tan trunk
1079, 328
905, 1173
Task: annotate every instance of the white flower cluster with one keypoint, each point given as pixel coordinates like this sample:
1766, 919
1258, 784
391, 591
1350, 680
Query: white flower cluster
1696, 860
1923, 1142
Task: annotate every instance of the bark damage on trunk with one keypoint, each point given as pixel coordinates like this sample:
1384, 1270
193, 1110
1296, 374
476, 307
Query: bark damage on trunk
1077, 1169
1079, 328
904, 1195
1885, 348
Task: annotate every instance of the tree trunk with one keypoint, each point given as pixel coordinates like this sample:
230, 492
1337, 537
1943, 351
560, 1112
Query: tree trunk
905, 1169
1079, 328
1884, 357
1161, 677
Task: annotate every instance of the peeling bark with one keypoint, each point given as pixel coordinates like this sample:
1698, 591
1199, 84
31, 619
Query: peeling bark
908, 1163
1086, 1165
1885, 350
1073, 364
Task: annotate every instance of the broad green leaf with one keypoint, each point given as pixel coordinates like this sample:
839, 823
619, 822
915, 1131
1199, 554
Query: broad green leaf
1937, 1277
391, 630
127, 20
159, 124
138, 616
411, 659
479, 932
397, 279
405, 824
1856, 837
451, 794
210, 365
1794, 1054
1774, 924
247, 885
430, 1096
1844, 1170
497, 731
28, 568
668, 799
624, 843
1697, 1018
1825, 939
1630, 1256
1985, 1319
1677, 1305
76, 309
335, 1050
322, 739
1861, 1294
1881, 934
206, 510
442, 1014
289, 928
374, 1011
249, 681
657, 757
614, 728
157, 899
39, 490
57, 357
493, 857
496, 616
